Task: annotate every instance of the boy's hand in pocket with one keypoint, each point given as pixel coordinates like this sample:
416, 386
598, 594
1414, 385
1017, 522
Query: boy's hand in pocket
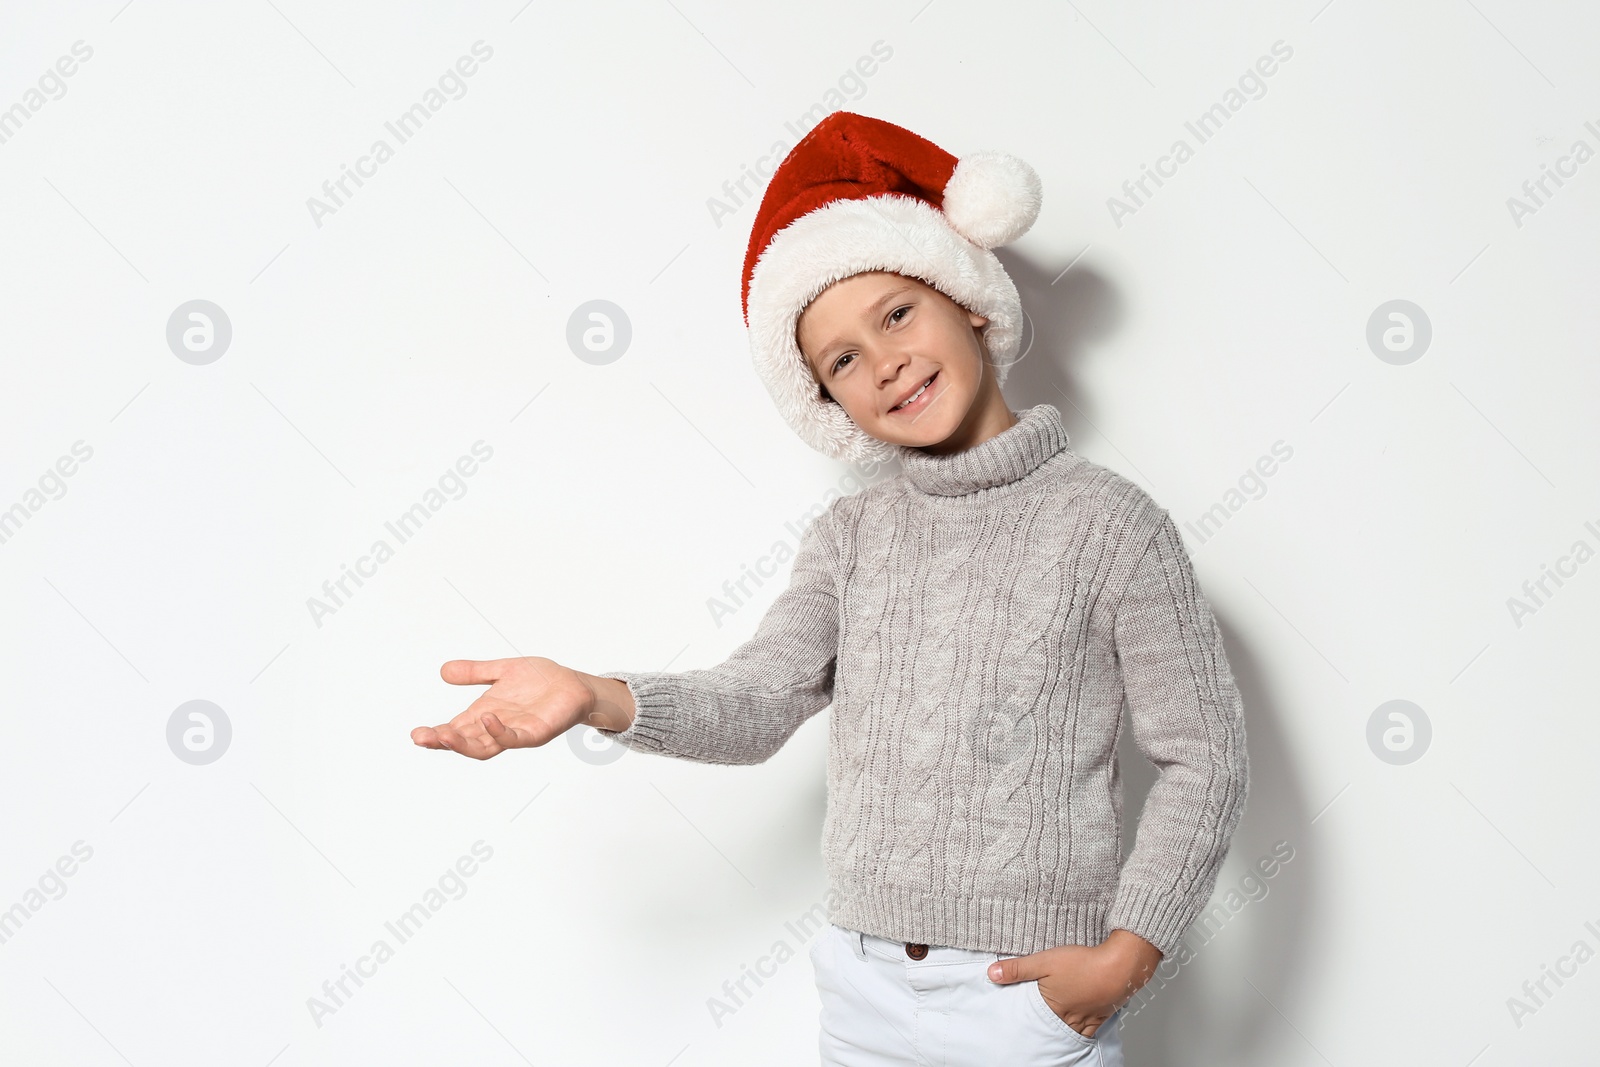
1084, 985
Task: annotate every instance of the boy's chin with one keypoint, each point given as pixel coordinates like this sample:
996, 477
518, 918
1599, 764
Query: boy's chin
932, 429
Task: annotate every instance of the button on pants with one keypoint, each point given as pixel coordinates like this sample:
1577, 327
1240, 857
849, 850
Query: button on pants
889, 1003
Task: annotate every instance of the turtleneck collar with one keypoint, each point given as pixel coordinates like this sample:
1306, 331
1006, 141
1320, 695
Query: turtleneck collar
1008, 456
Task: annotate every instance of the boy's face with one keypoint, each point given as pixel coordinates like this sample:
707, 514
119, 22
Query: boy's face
873, 339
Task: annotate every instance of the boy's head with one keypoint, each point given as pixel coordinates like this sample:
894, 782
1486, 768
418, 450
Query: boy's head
904, 361
858, 209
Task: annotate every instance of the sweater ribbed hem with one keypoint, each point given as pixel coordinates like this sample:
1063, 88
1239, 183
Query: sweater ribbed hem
983, 924
652, 714
1157, 915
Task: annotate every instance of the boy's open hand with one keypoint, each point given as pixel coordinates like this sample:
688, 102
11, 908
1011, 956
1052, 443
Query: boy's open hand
1084, 984
530, 701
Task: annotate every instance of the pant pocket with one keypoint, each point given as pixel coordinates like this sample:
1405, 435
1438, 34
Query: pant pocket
1048, 1016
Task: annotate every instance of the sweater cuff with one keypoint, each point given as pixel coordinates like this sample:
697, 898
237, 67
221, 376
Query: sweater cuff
652, 704
1158, 915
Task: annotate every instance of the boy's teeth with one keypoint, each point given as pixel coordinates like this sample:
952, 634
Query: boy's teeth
912, 397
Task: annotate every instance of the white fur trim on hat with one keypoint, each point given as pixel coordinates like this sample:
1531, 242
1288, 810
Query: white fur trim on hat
885, 232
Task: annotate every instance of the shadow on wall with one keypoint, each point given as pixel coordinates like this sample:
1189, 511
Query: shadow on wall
1202, 1014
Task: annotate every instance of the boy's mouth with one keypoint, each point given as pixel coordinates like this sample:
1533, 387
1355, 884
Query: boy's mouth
918, 398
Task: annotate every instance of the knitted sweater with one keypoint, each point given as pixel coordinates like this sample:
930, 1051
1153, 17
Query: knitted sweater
976, 622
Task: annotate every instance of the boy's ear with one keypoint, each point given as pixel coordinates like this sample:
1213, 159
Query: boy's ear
977, 320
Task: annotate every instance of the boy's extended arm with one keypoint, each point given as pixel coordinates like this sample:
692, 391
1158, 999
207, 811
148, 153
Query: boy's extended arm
745, 708
1188, 720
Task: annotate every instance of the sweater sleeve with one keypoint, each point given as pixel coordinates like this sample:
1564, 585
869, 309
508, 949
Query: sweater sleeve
745, 708
1188, 720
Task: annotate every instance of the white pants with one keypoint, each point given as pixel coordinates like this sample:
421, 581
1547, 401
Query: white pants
881, 1006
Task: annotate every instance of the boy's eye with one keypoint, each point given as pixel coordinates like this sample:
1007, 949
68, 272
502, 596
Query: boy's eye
839, 363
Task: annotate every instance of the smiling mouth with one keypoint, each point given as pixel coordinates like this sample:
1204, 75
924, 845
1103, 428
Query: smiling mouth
915, 400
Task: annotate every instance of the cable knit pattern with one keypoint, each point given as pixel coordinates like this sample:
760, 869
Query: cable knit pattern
977, 622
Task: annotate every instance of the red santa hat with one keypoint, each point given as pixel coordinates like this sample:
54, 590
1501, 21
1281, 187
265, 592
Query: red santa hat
861, 194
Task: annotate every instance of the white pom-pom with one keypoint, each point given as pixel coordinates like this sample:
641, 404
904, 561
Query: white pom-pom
992, 198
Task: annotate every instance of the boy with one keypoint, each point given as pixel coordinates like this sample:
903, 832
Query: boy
976, 623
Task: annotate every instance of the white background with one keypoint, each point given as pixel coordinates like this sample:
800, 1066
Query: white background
430, 311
